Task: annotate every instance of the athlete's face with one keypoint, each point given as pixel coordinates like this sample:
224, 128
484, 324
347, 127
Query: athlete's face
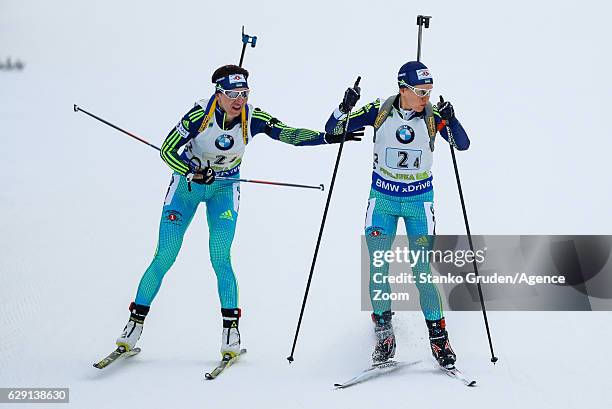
232, 106
412, 101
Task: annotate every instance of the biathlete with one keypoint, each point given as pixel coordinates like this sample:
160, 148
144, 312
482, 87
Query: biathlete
405, 128
209, 141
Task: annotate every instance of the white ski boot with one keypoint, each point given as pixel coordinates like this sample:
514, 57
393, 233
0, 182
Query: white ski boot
230, 339
133, 329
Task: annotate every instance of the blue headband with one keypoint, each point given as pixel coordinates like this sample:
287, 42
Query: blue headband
232, 81
413, 73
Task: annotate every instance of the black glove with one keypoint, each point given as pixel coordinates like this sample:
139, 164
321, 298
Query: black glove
204, 176
351, 96
446, 110
350, 136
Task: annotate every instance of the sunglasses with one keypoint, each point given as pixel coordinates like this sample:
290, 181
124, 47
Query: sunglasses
419, 92
233, 94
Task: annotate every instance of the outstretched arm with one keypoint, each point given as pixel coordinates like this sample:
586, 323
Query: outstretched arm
263, 122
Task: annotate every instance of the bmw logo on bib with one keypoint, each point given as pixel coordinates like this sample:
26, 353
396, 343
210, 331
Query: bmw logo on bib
404, 134
224, 142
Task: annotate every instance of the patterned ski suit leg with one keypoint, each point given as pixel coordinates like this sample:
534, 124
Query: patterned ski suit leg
179, 207
380, 229
222, 213
420, 225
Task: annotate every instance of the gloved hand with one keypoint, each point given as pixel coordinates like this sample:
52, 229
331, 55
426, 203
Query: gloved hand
204, 176
351, 96
350, 136
445, 109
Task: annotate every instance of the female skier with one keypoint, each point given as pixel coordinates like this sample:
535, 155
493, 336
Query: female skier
405, 126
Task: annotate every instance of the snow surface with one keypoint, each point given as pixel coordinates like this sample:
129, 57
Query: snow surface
80, 202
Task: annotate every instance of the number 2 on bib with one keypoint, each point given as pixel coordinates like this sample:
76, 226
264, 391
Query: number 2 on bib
403, 159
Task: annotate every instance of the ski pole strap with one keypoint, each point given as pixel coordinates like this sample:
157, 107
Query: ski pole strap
451, 139
189, 178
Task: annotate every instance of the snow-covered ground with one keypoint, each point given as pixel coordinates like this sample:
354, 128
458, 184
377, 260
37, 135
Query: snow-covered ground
80, 202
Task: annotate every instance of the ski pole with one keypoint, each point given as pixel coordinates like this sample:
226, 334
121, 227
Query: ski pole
316, 252
264, 182
423, 21
469, 235
246, 39
79, 109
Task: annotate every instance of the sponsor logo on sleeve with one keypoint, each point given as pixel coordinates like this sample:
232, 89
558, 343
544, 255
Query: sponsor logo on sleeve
182, 131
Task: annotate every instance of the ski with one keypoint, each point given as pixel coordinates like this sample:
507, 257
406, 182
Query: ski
458, 375
117, 354
375, 371
226, 362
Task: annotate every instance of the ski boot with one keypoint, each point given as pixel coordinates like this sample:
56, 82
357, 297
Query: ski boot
133, 329
385, 339
440, 346
230, 339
